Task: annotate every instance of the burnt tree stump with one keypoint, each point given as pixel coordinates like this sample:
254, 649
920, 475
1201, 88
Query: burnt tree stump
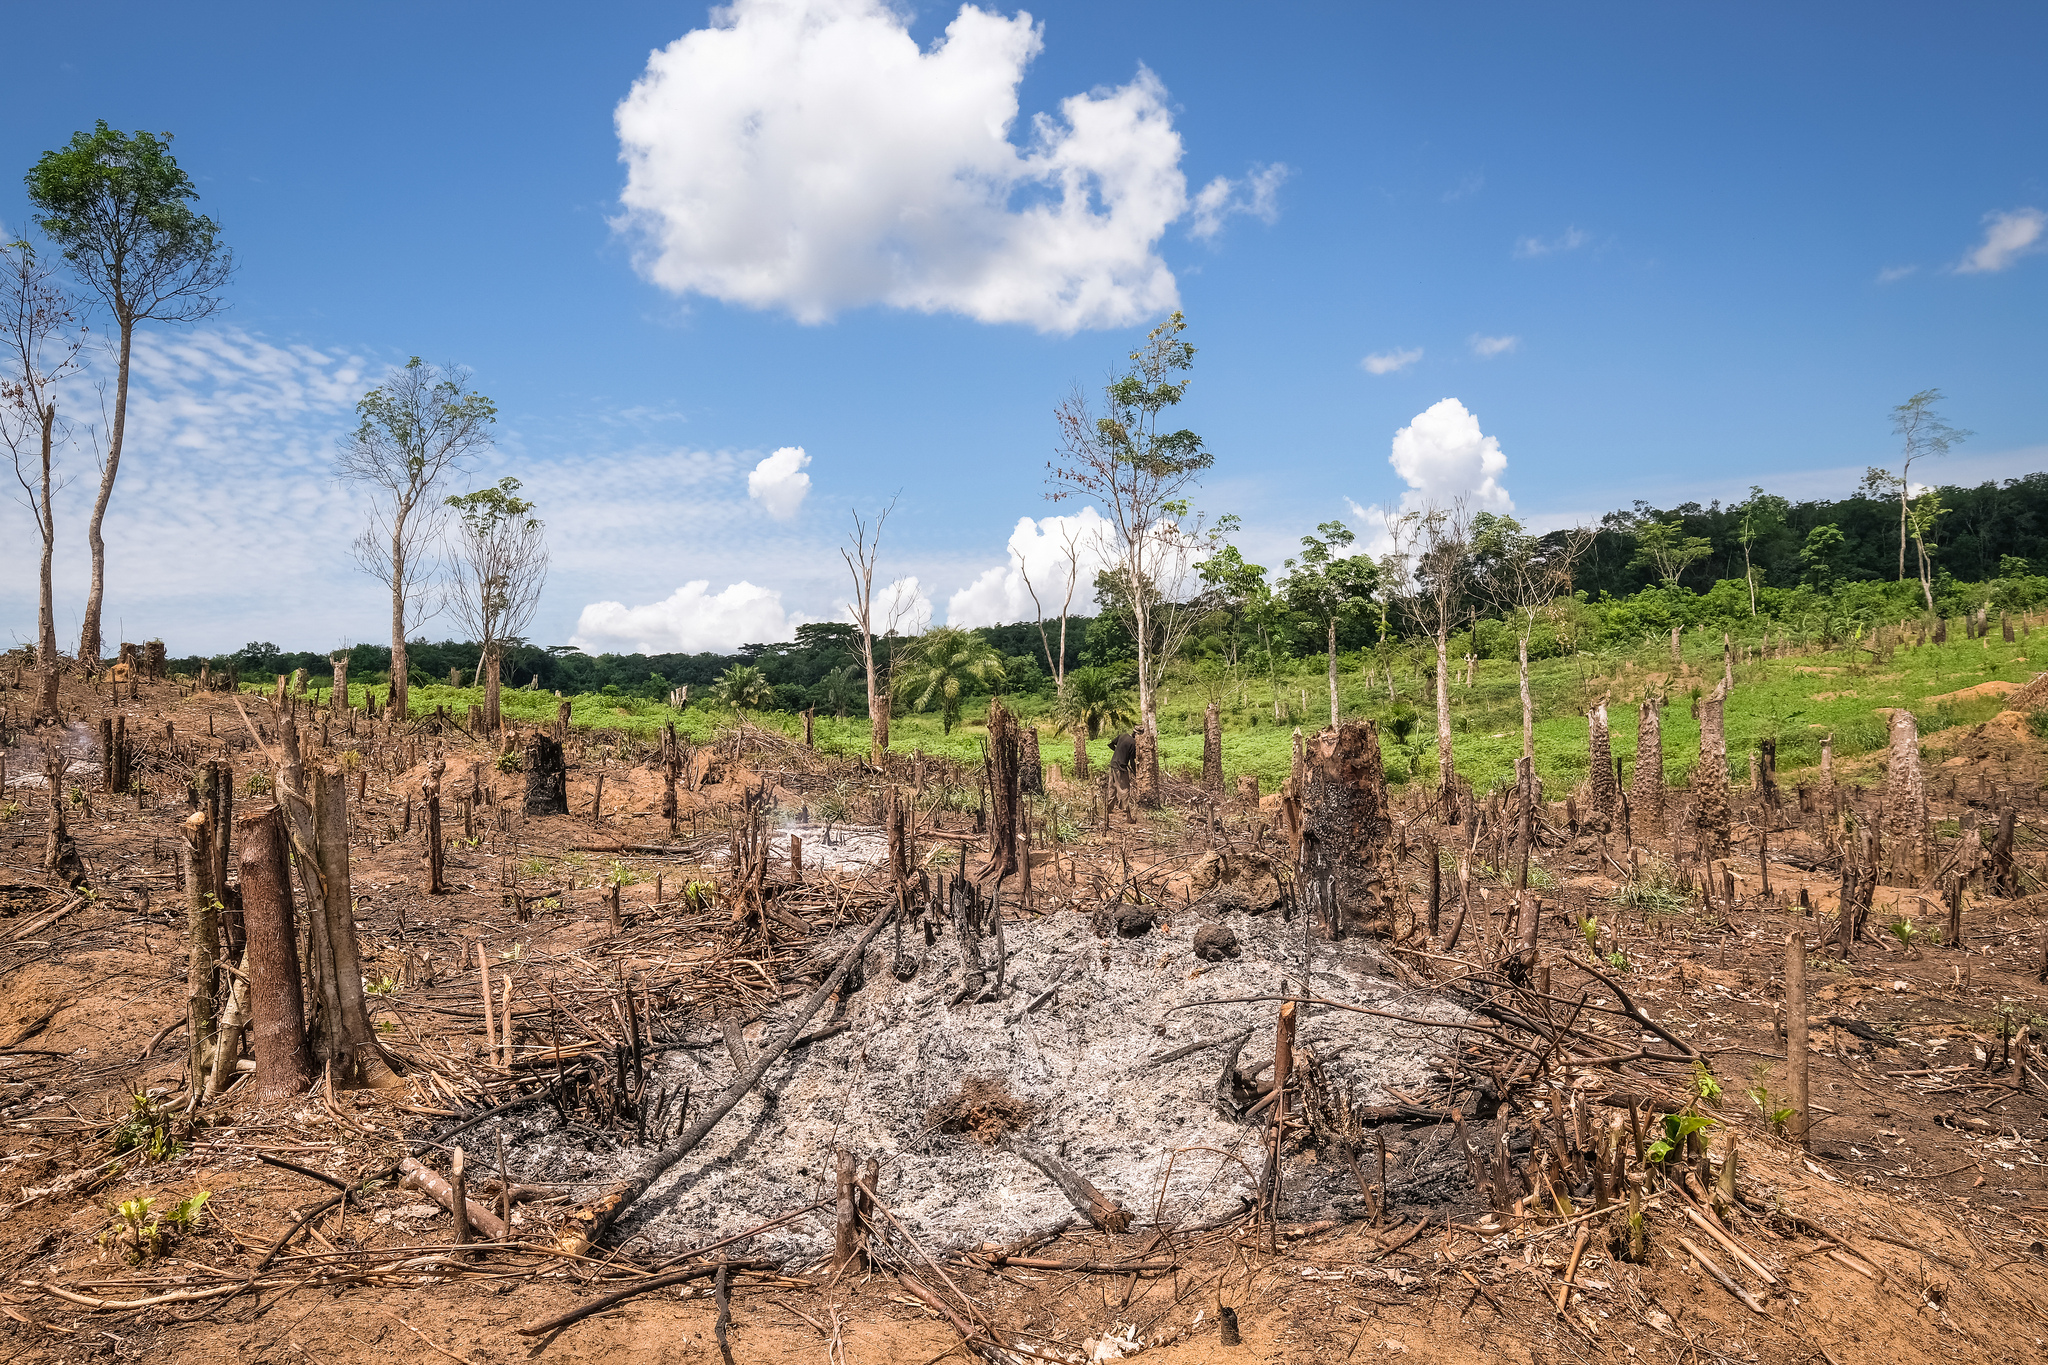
547, 776
1347, 826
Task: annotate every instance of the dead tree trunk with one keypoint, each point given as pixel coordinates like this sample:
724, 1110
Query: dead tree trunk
1710, 777
1004, 797
1212, 750
547, 775
493, 674
1603, 793
1148, 768
1347, 826
277, 1006
1905, 803
436, 851
215, 786
202, 949
1080, 754
1031, 768
337, 700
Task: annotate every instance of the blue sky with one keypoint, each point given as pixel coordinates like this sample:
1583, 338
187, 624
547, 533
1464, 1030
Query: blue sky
1651, 252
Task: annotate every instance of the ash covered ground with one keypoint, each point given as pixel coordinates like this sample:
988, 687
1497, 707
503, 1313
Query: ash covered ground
1082, 1065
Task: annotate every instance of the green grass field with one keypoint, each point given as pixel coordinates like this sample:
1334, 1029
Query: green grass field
1796, 701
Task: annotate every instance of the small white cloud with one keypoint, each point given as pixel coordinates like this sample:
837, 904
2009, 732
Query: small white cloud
1529, 248
1486, 348
1892, 274
779, 483
690, 620
1257, 196
1391, 362
1038, 551
2007, 237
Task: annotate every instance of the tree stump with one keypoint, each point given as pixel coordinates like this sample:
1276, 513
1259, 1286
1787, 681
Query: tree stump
1603, 793
1710, 777
277, 1006
1030, 769
547, 775
1212, 749
1905, 803
1347, 825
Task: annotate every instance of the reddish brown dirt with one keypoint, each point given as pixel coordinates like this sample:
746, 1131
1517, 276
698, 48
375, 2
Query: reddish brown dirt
1926, 1166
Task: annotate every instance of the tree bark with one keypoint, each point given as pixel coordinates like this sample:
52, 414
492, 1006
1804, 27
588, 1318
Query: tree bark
337, 700
493, 664
341, 1032
1148, 768
1330, 658
1905, 803
277, 1005
1031, 768
1646, 802
1710, 777
1003, 789
1212, 750
1603, 791
1528, 703
89, 630
202, 949
436, 850
1080, 755
547, 776
1447, 773
46, 612
1347, 825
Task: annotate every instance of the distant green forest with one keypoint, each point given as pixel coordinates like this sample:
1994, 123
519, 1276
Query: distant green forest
1821, 588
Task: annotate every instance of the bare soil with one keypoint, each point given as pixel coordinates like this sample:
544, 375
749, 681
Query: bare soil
1913, 1227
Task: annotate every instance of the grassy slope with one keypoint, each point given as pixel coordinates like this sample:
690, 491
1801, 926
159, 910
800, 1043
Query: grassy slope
1796, 700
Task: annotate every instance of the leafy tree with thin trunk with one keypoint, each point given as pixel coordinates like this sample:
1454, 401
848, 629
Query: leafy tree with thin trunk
499, 562
415, 428
743, 688
941, 666
1759, 515
119, 207
1124, 459
1664, 546
1918, 424
41, 349
1521, 574
1330, 587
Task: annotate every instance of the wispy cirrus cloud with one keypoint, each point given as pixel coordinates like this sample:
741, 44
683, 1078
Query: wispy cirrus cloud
1892, 274
1571, 239
1391, 362
1486, 347
2007, 237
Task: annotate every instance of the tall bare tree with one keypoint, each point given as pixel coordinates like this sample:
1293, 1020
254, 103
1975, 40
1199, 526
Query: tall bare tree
1437, 603
1521, 574
1070, 554
41, 340
863, 547
499, 562
119, 206
1124, 459
416, 427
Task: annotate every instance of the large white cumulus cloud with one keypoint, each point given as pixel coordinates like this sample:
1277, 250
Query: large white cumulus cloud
1442, 456
808, 155
1045, 553
690, 620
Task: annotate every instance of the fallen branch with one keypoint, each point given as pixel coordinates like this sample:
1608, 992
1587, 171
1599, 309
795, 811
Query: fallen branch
1721, 1277
582, 1311
594, 1222
1091, 1203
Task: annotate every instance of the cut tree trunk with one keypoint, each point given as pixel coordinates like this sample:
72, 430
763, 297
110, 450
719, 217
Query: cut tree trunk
202, 949
1905, 803
1347, 825
1710, 776
277, 1006
547, 775
1212, 750
1148, 768
1003, 782
337, 700
1030, 767
1603, 793
1080, 754
436, 850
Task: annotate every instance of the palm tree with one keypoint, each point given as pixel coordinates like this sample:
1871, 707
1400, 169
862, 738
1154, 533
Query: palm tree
743, 688
1094, 697
841, 688
940, 666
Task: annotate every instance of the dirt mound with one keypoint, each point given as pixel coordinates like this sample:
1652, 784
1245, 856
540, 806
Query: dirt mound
1997, 687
